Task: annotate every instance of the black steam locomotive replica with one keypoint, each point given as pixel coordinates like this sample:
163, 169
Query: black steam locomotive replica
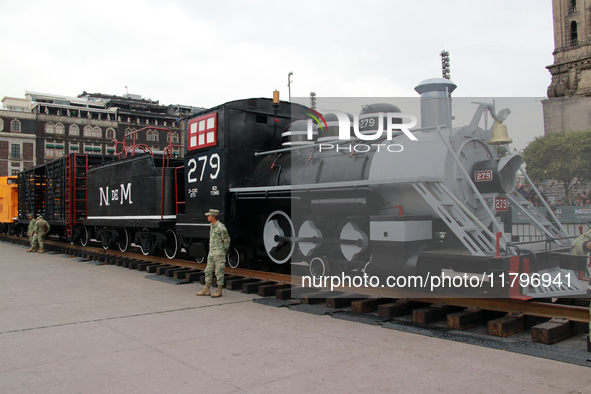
335, 192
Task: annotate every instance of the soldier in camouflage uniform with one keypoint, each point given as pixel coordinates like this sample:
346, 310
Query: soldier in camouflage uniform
581, 246
41, 228
219, 244
31, 234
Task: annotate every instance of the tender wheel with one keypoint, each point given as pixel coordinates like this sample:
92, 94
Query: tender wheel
84, 236
145, 250
172, 244
235, 258
123, 242
278, 228
319, 267
105, 239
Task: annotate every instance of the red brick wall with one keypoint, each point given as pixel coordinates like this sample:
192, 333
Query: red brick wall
4, 150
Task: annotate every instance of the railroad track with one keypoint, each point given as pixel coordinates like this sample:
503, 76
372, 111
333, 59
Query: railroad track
548, 322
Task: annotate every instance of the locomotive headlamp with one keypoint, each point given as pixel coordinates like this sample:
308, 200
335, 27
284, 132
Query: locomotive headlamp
276, 97
499, 135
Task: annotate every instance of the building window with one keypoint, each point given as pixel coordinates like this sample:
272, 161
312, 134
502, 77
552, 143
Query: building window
93, 131
175, 138
15, 168
49, 128
110, 134
153, 135
54, 149
93, 148
1, 124
176, 152
74, 148
15, 125
15, 151
574, 41
127, 131
59, 128
111, 149
74, 130
573, 7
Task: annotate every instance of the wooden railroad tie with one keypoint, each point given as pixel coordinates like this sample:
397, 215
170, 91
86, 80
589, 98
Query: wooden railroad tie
343, 300
369, 304
556, 330
271, 289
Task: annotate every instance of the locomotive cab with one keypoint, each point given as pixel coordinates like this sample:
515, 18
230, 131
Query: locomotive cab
220, 143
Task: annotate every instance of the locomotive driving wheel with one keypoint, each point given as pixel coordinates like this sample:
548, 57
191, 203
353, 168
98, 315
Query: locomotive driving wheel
277, 237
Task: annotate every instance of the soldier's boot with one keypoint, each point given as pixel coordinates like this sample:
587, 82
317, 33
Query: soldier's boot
33, 249
41, 250
217, 293
205, 291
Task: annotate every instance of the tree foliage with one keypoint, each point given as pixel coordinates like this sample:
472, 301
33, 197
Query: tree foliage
564, 157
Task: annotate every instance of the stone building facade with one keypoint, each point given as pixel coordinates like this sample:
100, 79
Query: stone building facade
18, 139
568, 107
44, 127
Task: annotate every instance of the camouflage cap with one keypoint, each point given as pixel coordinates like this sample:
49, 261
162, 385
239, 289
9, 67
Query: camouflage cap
212, 212
30, 215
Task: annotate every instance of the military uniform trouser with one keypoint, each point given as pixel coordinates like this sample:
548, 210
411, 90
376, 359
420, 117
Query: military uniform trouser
215, 264
40, 239
33, 240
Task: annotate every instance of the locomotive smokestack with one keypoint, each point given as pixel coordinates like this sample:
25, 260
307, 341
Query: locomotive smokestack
435, 106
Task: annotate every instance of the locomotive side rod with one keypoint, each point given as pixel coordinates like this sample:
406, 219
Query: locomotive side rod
356, 242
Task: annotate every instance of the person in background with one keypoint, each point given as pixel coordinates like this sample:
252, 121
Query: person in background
41, 229
31, 234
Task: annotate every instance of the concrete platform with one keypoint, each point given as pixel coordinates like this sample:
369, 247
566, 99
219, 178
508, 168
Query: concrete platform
71, 327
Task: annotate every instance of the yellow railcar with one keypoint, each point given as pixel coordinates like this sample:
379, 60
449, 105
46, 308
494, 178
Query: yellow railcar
8, 203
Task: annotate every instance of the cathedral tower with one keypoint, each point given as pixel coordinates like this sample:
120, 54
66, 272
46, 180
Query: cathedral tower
568, 106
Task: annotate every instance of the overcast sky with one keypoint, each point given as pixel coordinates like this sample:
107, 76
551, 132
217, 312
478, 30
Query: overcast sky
205, 53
